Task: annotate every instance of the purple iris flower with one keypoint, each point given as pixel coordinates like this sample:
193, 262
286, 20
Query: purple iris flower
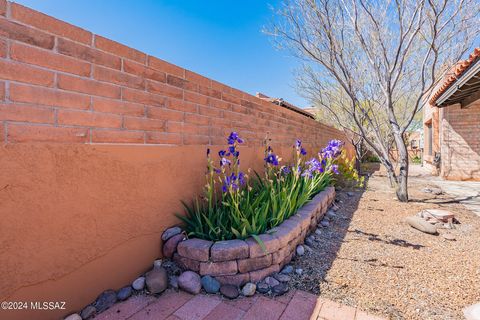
335, 168
224, 162
222, 153
272, 159
303, 152
233, 137
241, 178
231, 149
286, 170
333, 149
298, 143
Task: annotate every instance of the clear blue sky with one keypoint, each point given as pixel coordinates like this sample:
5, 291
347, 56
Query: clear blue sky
220, 39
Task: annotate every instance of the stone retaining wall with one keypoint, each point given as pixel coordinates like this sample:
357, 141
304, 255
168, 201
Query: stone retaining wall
240, 261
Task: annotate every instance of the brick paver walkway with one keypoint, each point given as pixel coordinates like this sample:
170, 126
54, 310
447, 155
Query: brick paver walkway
171, 305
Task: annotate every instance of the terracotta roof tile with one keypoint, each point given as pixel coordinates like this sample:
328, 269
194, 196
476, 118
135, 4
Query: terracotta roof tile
457, 70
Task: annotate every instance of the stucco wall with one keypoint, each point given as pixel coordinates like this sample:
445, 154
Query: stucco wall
98, 144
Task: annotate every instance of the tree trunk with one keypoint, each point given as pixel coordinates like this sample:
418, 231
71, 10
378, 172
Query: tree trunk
402, 179
358, 157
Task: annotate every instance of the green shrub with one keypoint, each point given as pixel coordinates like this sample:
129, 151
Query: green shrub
237, 205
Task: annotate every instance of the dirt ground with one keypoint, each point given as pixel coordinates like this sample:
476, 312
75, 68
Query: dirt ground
369, 257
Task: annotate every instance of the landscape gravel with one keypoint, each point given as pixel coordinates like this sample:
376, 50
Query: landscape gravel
369, 257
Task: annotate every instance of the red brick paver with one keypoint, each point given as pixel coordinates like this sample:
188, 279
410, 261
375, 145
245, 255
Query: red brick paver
171, 305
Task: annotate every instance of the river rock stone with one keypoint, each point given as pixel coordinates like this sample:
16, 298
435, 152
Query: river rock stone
157, 263
318, 232
309, 241
280, 289
229, 291
300, 250
190, 282
262, 287
156, 280
331, 214
167, 234
139, 283
124, 293
422, 225
170, 246
105, 300
350, 194
271, 281
210, 284
299, 271
73, 316
173, 282
281, 277
249, 289
325, 223
287, 269
88, 312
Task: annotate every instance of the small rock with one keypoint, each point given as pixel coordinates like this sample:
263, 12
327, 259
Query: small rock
271, 281
156, 280
167, 234
190, 282
300, 250
173, 282
299, 271
324, 223
420, 224
229, 291
287, 269
88, 312
472, 312
427, 190
318, 232
139, 283
350, 194
170, 246
330, 214
335, 208
105, 300
124, 293
308, 248
157, 263
210, 284
449, 236
262, 287
281, 277
280, 289
248, 290
309, 241
74, 316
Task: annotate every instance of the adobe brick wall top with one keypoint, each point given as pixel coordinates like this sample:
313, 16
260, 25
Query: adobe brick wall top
238, 261
49, 68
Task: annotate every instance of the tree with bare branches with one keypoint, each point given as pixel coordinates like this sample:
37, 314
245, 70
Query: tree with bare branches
385, 57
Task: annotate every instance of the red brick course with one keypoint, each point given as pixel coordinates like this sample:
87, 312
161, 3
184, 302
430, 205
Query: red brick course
89, 72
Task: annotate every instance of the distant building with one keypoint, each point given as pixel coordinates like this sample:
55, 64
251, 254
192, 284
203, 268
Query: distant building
451, 121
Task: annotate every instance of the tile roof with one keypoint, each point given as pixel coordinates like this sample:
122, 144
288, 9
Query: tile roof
451, 77
282, 103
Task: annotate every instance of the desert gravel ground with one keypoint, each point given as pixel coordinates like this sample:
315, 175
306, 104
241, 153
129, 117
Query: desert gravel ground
370, 258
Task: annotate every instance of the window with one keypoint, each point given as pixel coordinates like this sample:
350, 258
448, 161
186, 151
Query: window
429, 139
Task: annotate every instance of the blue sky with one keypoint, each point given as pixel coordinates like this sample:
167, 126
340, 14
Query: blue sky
220, 39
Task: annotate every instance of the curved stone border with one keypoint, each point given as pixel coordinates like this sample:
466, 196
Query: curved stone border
237, 262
